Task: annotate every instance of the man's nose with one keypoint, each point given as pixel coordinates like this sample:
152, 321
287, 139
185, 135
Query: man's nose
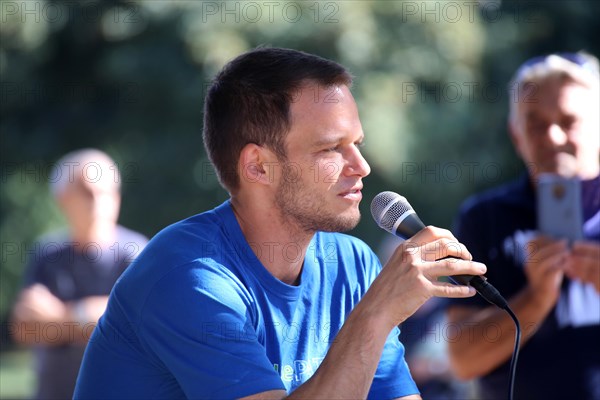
358, 165
557, 135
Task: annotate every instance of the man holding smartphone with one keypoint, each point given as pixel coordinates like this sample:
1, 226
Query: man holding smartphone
552, 283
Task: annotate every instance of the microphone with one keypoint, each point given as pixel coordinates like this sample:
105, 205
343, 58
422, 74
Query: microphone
393, 213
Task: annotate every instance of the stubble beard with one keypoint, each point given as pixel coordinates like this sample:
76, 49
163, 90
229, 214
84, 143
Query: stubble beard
308, 210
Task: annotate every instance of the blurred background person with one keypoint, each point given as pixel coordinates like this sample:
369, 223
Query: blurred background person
553, 287
69, 277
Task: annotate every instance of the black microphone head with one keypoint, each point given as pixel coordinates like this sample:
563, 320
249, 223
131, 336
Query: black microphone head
389, 209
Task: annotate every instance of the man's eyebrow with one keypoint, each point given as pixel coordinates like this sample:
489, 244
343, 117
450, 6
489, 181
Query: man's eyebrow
332, 139
532, 114
326, 140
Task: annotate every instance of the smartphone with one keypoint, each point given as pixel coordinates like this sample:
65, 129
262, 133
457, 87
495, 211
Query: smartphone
559, 209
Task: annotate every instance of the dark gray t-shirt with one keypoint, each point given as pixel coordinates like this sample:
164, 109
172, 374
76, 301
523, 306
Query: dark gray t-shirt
71, 272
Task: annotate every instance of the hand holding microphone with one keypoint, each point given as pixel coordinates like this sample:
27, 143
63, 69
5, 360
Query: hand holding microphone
411, 276
394, 214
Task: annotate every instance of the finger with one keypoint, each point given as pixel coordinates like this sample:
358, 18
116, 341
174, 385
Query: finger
584, 276
584, 268
432, 233
453, 266
538, 254
543, 241
584, 248
553, 263
574, 274
445, 289
444, 247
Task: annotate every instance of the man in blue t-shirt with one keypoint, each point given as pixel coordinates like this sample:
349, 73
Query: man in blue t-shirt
260, 297
553, 287
71, 273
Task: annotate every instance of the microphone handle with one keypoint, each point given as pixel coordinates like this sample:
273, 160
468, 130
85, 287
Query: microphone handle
482, 286
410, 224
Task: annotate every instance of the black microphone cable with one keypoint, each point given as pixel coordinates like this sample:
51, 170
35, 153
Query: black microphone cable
394, 214
491, 294
515, 355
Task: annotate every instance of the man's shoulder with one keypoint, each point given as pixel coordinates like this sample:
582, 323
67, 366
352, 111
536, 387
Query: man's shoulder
205, 226
182, 242
190, 250
129, 235
50, 248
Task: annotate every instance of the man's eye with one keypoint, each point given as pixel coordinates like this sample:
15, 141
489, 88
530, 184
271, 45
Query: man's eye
537, 127
569, 123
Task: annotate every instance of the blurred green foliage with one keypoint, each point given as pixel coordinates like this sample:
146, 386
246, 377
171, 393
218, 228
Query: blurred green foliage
17, 378
129, 77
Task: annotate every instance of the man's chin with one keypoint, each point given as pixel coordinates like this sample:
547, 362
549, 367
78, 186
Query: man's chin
566, 165
342, 223
563, 164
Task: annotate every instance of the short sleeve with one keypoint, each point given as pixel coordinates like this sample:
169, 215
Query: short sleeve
198, 321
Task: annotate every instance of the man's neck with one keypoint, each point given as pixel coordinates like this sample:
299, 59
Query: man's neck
103, 234
279, 244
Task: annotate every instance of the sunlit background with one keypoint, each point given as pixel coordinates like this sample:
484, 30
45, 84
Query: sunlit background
129, 77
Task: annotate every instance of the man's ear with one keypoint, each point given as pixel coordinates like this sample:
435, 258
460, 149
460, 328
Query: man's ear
256, 164
515, 136
62, 199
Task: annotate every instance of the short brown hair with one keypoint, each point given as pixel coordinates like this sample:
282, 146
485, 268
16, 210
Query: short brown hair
249, 102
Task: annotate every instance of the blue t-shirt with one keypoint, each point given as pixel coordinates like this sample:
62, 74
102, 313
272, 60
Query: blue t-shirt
562, 358
197, 315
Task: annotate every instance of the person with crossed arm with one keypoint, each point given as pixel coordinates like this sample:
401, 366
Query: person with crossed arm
71, 273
